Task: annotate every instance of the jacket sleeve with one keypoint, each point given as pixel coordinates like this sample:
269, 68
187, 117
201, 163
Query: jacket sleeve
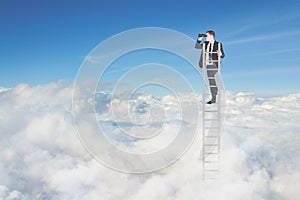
198, 45
222, 50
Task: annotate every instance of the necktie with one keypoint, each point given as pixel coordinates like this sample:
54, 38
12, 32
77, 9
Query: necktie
210, 50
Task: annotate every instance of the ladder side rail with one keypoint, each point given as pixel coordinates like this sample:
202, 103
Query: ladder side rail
203, 108
219, 104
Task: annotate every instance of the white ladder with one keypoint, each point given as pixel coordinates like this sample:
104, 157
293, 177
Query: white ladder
212, 121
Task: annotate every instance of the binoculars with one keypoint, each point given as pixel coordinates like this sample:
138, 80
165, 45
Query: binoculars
202, 35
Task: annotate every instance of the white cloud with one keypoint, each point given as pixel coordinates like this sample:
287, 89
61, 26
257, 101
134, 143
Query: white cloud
5, 193
42, 158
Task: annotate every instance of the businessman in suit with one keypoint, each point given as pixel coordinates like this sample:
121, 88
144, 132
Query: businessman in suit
211, 59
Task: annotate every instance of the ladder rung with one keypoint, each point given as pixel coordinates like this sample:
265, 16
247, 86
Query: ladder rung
211, 111
211, 119
212, 170
209, 178
206, 94
212, 136
208, 52
210, 150
221, 105
211, 153
211, 161
212, 127
207, 154
210, 62
211, 145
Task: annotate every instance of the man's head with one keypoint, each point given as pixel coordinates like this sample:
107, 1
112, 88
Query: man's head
210, 36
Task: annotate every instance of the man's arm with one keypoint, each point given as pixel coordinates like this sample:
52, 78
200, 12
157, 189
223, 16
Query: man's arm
198, 44
222, 51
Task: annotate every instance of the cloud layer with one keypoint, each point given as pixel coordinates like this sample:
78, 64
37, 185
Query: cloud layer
42, 158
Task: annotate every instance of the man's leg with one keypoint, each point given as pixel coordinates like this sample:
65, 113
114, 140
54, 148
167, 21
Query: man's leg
212, 81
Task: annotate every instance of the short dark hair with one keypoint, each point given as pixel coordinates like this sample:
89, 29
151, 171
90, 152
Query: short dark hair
211, 32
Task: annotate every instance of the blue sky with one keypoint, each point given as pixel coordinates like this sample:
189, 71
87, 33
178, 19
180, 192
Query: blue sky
46, 41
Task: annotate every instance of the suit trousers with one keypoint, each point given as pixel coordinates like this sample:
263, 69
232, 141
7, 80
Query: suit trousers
211, 72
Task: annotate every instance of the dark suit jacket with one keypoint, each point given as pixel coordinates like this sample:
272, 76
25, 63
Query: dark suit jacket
215, 48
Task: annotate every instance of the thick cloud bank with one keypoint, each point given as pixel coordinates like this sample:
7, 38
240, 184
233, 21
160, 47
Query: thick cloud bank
42, 158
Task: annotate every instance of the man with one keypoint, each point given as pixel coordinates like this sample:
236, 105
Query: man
211, 60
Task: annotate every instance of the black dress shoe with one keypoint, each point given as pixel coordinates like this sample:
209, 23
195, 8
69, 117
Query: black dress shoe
211, 102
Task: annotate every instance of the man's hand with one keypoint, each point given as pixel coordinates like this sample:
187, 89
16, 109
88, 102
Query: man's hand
199, 39
220, 53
